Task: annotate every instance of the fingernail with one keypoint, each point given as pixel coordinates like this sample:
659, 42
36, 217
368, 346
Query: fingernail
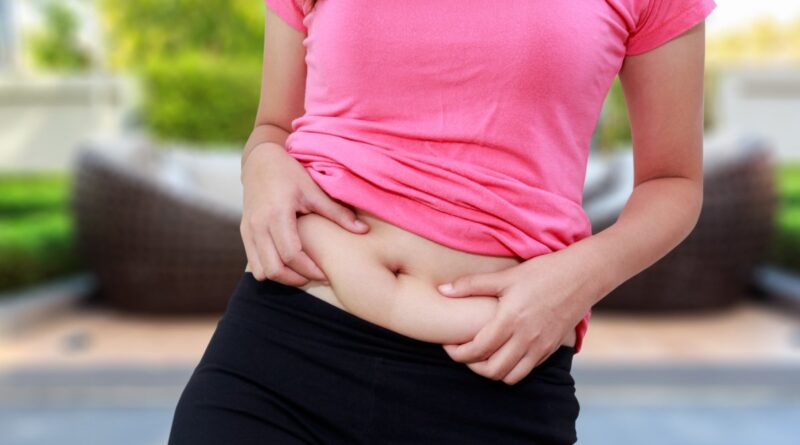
448, 287
360, 224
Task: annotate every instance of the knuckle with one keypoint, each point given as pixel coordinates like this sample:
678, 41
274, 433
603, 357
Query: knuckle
290, 255
459, 283
495, 375
506, 275
516, 321
307, 198
259, 274
528, 343
304, 201
493, 372
272, 271
273, 212
253, 220
300, 281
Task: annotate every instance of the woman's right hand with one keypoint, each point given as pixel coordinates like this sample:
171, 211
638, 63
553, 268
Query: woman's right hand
277, 187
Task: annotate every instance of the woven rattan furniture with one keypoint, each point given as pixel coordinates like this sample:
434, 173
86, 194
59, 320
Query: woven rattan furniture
715, 264
160, 228
157, 237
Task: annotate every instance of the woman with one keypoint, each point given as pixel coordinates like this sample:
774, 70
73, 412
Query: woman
458, 131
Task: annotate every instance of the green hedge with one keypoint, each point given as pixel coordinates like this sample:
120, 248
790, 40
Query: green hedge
24, 193
201, 98
138, 32
785, 247
199, 62
37, 241
54, 46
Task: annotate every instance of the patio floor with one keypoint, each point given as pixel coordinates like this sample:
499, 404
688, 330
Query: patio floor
90, 335
97, 375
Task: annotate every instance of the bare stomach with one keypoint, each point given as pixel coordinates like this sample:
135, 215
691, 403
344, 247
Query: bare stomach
388, 276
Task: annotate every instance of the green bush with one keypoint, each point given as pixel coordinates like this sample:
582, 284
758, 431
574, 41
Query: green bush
55, 46
201, 99
142, 31
199, 63
785, 246
37, 241
25, 193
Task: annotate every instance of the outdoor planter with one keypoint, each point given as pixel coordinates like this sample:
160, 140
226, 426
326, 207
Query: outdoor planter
715, 265
159, 228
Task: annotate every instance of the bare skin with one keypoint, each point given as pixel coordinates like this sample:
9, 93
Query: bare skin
663, 90
389, 277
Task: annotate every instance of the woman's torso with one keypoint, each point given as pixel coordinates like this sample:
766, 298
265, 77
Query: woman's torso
368, 268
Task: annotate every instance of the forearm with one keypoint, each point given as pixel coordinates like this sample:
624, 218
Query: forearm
264, 136
659, 214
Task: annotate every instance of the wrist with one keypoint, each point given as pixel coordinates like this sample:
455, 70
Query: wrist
598, 271
260, 149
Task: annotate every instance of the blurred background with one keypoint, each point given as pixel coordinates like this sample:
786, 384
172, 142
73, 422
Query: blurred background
121, 127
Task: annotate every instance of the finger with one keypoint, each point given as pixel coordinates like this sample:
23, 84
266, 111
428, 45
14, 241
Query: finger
450, 348
486, 341
503, 360
250, 251
524, 367
322, 204
287, 243
483, 284
273, 267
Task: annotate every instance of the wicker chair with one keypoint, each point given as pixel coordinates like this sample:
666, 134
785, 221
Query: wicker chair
713, 267
160, 228
157, 238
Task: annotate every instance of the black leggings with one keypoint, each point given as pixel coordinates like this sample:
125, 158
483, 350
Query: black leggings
285, 367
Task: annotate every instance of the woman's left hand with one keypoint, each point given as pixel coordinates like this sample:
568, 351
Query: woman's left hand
540, 301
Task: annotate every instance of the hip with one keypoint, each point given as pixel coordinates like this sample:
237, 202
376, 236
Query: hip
281, 353
296, 321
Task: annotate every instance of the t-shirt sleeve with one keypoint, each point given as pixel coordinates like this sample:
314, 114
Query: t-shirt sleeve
290, 11
663, 20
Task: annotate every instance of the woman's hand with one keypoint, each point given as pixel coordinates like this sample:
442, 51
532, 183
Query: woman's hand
277, 187
540, 302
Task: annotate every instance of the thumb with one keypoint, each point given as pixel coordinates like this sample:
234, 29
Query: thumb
327, 207
474, 284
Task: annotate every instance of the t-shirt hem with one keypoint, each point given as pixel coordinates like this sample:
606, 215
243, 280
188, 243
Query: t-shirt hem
673, 28
285, 12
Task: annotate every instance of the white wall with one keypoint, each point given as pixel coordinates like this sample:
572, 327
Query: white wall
762, 101
44, 119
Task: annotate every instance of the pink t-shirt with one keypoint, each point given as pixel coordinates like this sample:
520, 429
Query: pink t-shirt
467, 122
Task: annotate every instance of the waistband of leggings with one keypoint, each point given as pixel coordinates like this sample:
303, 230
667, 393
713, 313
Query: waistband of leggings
320, 320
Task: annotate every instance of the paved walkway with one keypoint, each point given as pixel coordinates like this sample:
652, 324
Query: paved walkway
749, 333
95, 375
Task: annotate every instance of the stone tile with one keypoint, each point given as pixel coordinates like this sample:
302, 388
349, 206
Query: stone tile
749, 333
96, 336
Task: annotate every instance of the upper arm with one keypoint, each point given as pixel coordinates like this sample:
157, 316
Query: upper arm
663, 80
283, 68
